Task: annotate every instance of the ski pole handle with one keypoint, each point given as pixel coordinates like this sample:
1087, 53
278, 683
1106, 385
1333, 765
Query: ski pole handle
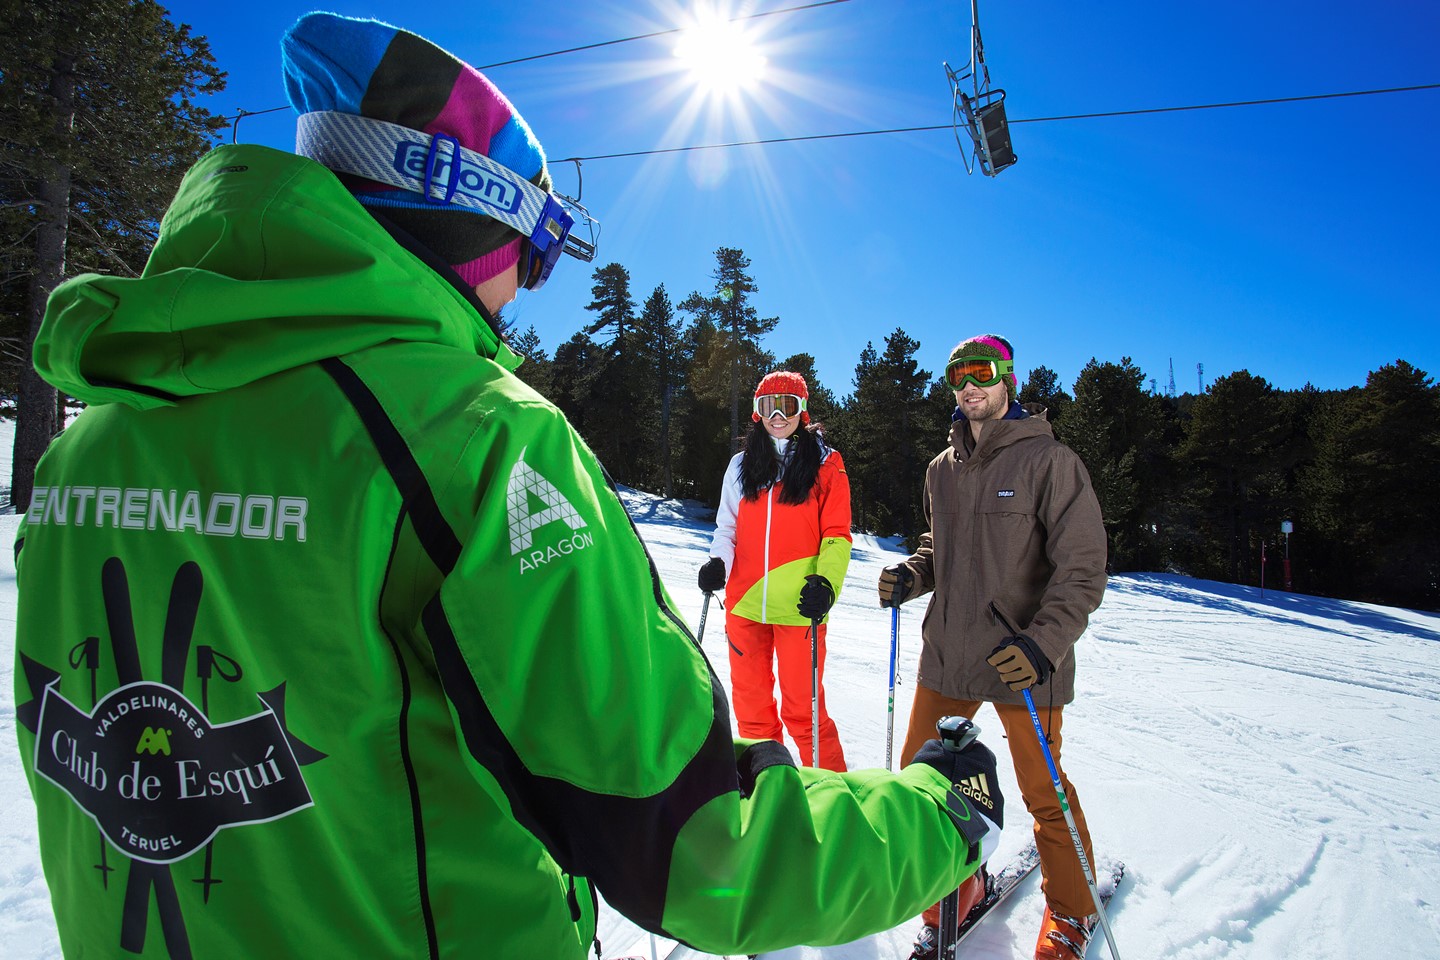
956, 733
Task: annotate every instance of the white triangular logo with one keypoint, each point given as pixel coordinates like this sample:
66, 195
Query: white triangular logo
525, 484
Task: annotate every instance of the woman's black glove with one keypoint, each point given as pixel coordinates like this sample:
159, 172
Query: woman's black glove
712, 575
816, 597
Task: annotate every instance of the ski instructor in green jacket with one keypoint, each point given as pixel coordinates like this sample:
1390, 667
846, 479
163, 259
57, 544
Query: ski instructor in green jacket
333, 640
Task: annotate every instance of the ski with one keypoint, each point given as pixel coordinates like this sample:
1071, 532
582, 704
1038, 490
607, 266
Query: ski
1106, 887
998, 887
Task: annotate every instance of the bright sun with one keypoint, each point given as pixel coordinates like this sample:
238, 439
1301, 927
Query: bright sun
721, 58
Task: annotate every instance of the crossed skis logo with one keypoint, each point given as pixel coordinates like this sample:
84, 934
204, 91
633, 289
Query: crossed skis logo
146, 763
533, 503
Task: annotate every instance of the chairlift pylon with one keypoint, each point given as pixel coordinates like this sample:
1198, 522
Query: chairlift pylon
982, 110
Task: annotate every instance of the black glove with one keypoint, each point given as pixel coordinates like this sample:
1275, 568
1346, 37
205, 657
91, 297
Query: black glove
974, 789
895, 584
816, 597
712, 575
1020, 662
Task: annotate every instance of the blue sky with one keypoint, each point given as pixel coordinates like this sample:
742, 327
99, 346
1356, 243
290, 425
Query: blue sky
1298, 241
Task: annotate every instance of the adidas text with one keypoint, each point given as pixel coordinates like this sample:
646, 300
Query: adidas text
976, 789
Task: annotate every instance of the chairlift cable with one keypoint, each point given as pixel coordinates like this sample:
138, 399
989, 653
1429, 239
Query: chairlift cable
242, 113
946, 126
658, 33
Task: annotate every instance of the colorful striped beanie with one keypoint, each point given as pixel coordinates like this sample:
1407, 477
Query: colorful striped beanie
988, 345
372, 69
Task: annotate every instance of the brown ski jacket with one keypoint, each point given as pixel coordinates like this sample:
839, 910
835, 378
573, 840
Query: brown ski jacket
1012, 520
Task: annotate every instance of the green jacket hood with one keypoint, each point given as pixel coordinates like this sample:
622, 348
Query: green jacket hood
265, 262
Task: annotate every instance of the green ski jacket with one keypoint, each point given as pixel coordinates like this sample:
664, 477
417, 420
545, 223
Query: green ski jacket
333, 641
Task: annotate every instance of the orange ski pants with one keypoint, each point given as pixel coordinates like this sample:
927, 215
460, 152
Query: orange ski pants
754, 650
1063, 880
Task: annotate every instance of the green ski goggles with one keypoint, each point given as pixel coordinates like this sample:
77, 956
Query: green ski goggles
981, 371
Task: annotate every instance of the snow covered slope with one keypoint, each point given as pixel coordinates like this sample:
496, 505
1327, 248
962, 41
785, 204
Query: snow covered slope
1265, 766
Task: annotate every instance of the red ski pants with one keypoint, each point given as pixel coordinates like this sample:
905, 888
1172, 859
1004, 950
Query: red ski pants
754, 650
1063, 880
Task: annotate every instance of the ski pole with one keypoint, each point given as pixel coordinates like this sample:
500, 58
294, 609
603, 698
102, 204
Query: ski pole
955, 735
704, 612
890, 714
1070, 822
815, 692
1064, 802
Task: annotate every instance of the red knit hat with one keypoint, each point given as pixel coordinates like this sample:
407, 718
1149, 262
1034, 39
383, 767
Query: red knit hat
784, 381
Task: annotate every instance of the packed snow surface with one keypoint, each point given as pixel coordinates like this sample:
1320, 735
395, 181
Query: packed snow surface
1265, 766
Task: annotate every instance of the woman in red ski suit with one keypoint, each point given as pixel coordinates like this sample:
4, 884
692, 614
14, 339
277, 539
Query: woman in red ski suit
782, 533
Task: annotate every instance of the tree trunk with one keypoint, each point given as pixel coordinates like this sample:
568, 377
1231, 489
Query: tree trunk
36, 423
667, 484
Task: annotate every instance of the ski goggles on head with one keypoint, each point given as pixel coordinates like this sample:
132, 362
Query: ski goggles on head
786, 404
981, 371
445, 174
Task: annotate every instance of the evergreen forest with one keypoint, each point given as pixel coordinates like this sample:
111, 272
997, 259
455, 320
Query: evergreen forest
1190, 484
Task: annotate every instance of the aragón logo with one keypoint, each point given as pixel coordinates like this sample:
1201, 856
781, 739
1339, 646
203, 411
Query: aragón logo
532, 504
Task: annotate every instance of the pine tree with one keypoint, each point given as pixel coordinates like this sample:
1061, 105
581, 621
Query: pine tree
1042, 386
1232, 459
572, 374
1376, 470
822, 405
704, 446
738, 324
614, 306
615, 380
97, 126
536, 370
1114, 426
884, 432
661, 353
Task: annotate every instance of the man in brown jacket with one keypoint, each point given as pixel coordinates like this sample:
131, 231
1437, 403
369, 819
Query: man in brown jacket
1014, 522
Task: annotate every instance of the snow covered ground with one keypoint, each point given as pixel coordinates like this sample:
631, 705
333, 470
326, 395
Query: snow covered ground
1265, 766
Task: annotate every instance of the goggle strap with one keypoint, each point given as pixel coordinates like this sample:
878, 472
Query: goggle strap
413, 161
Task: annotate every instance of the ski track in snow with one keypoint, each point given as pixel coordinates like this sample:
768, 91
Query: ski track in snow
1265, 766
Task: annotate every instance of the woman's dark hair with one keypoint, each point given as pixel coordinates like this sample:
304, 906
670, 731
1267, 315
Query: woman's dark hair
760, 462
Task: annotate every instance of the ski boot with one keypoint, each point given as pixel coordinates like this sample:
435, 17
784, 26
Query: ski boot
927, 941
1062, 937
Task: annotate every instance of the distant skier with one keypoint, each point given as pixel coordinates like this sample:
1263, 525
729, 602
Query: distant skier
1012, 520
780, 551
332, 629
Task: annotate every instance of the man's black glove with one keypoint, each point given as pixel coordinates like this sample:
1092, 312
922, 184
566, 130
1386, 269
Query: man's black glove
1020, 662
895, 584
712, 575
816, 597
974, 804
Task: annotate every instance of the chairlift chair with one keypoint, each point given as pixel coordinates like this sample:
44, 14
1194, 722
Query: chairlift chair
982, 110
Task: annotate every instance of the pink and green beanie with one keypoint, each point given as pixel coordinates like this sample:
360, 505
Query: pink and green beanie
988, 345
372, 69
